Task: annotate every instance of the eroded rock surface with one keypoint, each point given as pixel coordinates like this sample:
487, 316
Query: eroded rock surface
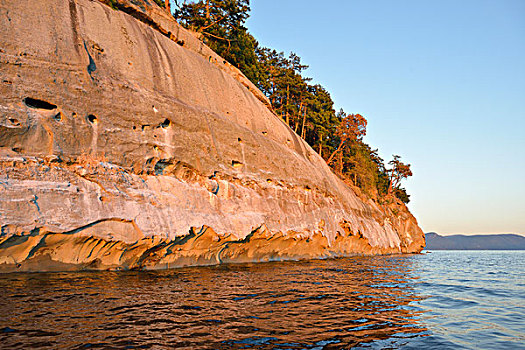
127, 143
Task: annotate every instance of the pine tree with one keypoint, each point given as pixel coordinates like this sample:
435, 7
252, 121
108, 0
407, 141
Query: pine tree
307, 109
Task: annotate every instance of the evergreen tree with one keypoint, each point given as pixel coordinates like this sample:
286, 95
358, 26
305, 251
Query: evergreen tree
397, 173
307, 109
351, 128
221, 24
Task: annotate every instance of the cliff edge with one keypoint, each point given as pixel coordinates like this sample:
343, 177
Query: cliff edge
126, 143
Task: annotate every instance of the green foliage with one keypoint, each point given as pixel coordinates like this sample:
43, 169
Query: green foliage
308, 109
112, 4
221, 23
401, 193
160, 3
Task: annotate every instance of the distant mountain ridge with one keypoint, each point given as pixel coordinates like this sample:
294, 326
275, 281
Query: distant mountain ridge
474, 242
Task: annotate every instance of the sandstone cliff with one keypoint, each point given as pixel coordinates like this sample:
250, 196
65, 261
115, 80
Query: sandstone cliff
127, 143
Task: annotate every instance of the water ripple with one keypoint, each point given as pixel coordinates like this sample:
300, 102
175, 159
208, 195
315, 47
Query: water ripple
415, 301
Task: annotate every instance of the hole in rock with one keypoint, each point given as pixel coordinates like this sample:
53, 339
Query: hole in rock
97, 48
180, 42
239, 139
265, 133
160, 166
134, 127
213, 187
236, 164
58, 117
17, 149
92, 119
166, 123
40, 104
14, 122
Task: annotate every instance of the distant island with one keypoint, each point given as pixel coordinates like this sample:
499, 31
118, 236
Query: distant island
474, 242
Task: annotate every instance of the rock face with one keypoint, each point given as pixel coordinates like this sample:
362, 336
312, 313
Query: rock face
127, 143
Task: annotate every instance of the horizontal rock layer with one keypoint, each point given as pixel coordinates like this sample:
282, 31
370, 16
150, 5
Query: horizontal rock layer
121, 129
51, 251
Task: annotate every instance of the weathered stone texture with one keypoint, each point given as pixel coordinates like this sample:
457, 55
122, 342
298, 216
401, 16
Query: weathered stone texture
120, 125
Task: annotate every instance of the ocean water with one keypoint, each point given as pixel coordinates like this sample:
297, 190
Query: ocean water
436, 300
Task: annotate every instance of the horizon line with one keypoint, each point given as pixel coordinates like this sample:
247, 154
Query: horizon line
478, 234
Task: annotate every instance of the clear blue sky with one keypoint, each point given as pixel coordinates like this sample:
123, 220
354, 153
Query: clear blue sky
442, 83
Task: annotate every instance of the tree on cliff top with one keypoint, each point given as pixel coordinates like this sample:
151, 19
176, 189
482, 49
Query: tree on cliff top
352, 127
397, 173
221, 24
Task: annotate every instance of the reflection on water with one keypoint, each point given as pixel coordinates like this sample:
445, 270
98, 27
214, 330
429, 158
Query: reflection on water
330, 303
378, 302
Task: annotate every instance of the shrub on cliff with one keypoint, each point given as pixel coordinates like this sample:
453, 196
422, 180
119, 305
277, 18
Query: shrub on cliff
160, 3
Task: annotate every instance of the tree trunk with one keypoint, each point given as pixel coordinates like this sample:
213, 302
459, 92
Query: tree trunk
167, 5
296, 118
287, 98
304, 119
340, 163
207, 10
333, 154
274, 95
390, 186
321, 146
